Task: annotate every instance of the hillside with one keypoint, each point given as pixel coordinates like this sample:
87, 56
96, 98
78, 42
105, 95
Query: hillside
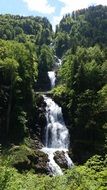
53, 95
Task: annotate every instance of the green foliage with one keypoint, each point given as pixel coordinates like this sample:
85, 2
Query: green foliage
84, 69
24, 63
80, 40
84, 177
85, 27
46, 62
62, 43
59, 90
18, 72
19, 154
22, 29
83, 74
97, 163
46, 58
103, 95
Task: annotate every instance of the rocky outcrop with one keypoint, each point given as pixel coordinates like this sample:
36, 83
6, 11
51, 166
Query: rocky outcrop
60, 159
39, 162
43, 82
24, 158
37, 131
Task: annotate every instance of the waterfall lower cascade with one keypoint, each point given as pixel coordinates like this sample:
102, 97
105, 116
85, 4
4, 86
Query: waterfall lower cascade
57, 136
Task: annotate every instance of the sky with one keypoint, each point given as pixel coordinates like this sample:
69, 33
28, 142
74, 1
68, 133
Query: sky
52, 9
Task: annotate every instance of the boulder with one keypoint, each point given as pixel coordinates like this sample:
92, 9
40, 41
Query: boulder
24, 158
60, 159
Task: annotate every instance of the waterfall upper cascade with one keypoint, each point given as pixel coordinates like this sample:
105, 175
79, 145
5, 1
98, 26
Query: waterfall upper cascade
58, 61
57, 136
52, 74
52, 78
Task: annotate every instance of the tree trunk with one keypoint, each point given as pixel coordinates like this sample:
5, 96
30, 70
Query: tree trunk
9, 111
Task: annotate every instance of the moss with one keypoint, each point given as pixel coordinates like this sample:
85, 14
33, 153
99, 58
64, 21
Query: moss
24, 159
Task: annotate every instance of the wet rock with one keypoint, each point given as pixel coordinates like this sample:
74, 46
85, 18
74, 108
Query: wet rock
60, 159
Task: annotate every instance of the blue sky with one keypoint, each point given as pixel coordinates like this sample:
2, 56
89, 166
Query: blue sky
52, 9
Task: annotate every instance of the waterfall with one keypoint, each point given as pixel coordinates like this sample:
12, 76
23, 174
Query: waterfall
56, 132
52, 77
57, 135
53, 166
52, 74
58, 61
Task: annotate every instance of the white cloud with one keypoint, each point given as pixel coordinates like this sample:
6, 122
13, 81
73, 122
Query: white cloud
56, 20
72, 5
41, 6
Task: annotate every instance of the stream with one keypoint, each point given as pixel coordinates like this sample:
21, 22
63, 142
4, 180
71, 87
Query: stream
56, 135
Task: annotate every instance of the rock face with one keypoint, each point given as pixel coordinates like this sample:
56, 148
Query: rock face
37, 131
39, 162
24, 158
60, 159
43, 82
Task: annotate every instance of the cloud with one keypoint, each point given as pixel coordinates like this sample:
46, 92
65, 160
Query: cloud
71, 5
41, 6
44, 7
56, 20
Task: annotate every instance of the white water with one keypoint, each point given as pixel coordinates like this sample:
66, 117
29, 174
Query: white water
57, 135
56, 132
52, 74
52, 78
53, 166
58, 61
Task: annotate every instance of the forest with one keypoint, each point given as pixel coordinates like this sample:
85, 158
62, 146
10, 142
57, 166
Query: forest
29, 49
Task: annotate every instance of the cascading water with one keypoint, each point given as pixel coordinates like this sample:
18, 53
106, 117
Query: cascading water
52, 77
56, 132
52, 74
58, 61
57, 136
